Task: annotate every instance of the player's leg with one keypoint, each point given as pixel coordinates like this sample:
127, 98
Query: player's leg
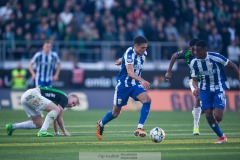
146, 101
196, 116
120, 99
53, 112
107, 118
196, 111
26, 100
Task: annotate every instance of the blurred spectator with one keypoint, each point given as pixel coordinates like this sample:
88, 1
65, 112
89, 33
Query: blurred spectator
19, 78
5, 12
215, 41
77, 74
234, 53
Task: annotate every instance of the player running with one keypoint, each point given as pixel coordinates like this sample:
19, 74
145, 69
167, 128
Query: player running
130, 84
213, 83
44, 99
187, 56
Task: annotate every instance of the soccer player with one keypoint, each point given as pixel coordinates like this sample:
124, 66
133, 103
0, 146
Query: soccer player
187, 56
130, 84
47, 64
44, 99
213, 83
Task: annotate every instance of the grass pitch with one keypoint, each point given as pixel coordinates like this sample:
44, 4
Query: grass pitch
179, 143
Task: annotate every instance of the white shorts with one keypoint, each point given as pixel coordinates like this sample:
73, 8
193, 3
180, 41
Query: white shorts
33, 102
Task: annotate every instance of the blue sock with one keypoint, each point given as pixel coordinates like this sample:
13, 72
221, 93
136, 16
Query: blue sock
108, 117
217, 130
144, 112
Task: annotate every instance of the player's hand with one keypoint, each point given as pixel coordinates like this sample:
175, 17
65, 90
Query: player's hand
55, 78
145, 84
66, 133
33, 76
168, 76
58, 134
196, 92
118, 62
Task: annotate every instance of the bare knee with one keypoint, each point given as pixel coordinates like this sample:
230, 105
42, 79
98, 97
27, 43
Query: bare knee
115, 113
218, 118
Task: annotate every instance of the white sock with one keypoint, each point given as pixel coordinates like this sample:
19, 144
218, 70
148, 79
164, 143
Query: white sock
50, 117
24, 125
140, 126
196, 116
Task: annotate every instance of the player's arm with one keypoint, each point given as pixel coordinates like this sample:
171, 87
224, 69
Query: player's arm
31, 70
56, 75
130, 71
61, 122
235, 68
168, 74
118, 62
55, 126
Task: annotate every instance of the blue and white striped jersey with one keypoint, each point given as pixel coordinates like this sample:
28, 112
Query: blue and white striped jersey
130, 57
210, 70
45, 65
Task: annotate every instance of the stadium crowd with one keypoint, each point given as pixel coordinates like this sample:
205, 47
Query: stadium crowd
216, 21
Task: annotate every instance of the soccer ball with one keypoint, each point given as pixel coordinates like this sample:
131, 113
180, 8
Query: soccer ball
157, 134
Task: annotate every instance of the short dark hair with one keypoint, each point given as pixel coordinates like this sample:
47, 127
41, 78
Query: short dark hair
140, 40
193, 42
202, 44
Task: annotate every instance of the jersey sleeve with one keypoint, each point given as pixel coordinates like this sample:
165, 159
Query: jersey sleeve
57, 57
220, 58
180, 54
34, 58
129, 56
193, 69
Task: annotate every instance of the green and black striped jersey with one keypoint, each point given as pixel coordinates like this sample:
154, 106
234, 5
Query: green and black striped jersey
56, 96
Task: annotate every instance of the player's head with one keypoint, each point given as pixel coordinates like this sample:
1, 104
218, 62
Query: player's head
140, 44
192, 44
200, 49
47, 46
73, 101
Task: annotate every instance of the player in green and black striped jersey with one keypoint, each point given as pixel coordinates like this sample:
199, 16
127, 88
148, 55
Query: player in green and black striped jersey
187, 56
36, 100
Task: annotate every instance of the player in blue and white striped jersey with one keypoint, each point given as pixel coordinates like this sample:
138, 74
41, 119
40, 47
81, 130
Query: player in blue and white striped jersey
213, 83
130, 84
47, 65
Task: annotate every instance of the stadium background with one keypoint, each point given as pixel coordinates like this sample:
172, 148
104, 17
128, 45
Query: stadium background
94, 33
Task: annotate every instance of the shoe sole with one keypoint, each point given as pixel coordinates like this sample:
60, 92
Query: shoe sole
97, 132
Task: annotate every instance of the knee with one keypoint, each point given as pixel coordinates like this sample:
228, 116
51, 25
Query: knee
218, 118
38, 124
147, 99
115, 114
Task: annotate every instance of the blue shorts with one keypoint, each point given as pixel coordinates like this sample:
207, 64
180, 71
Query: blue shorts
44, 84
210, 99
123, 93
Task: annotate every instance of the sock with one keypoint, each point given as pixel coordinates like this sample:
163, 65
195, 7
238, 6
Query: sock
196, 116
108, 117
24, 125
217, 130
50, 117
144, 114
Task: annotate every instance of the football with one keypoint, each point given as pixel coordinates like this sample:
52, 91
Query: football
157, 134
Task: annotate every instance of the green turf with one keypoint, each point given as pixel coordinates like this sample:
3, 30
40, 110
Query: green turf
179, 144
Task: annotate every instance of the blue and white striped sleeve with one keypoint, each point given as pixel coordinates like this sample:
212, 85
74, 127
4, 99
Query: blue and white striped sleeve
219, 58
193, 70
129, 56
33, 60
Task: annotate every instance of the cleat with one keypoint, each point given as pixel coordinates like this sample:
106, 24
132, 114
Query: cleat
196, 132
221, 140
44, 134
9, 129
140, 132
99, 131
